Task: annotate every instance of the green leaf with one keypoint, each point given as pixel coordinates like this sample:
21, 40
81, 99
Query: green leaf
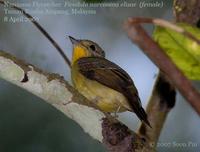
183, 51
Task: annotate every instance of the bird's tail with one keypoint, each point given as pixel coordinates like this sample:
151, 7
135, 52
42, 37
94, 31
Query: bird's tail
140, 112
132, 96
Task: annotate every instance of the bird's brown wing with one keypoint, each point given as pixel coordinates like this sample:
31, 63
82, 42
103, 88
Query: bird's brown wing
105, 72
112, 76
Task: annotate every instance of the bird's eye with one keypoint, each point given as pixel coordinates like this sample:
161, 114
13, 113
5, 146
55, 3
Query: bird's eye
93, 47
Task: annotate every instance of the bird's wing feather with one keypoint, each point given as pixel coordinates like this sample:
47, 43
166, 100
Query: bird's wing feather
112, 76
108, 74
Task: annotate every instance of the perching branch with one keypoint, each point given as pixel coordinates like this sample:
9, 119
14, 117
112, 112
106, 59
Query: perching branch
138, 35
40, 28
53, 89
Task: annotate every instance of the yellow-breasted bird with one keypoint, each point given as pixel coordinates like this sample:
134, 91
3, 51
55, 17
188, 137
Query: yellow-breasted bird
102, 81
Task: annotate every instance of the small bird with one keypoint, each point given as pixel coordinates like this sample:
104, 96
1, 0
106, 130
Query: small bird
102, 81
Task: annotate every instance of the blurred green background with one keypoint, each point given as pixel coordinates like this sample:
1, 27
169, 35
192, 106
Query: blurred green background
27, 124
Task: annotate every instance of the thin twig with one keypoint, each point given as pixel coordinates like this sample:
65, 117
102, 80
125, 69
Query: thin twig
138, 35
41, 29
165, 24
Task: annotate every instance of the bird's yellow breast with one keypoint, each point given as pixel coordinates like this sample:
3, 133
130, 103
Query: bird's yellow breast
106, 98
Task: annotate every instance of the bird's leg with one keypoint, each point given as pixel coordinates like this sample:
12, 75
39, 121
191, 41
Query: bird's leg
115, 114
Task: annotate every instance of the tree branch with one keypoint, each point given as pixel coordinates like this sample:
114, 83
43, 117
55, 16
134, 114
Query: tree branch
165, 24
160, 103
138, 35
53, 89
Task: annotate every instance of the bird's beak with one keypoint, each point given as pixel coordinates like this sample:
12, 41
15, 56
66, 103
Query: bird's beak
73, 40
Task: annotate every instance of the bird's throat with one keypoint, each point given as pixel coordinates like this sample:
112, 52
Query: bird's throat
78, 52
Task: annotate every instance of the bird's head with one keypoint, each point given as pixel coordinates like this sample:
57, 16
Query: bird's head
85, 48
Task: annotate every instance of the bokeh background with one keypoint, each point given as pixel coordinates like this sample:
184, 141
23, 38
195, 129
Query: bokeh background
27, 124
